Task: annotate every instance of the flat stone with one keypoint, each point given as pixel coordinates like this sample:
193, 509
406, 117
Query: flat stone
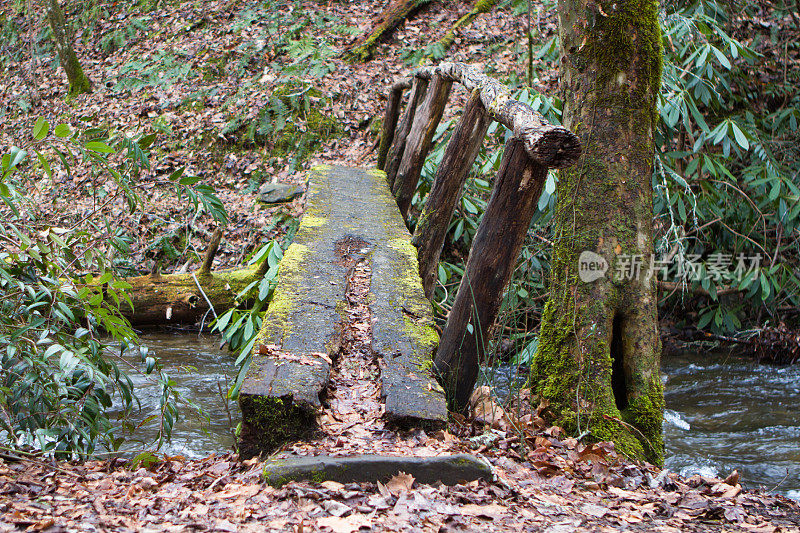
277, 193
349, 212
447, 469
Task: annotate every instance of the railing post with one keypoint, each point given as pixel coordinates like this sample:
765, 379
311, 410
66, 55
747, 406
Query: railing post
491, 262
390, 120
458, 158
419, 141
418, 88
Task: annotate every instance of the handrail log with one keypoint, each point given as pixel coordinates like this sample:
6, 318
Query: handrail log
547, 144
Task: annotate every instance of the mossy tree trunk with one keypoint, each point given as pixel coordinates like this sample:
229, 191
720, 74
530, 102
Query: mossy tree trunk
78, 81
599, 350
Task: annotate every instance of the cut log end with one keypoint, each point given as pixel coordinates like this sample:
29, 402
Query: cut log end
554, 147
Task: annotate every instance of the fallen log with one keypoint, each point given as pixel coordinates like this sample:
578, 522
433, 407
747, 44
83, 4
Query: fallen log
392, 15
481, 6
183, 298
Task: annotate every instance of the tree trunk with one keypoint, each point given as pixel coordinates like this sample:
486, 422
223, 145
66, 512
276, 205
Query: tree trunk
599, 349
491, 263
391, 16
78, 81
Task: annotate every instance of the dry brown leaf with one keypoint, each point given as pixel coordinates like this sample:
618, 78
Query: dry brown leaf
491, 510
400, 483
347, 524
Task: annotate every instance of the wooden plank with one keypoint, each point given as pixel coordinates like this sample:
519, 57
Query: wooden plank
280, 396
419, 142
491, 262
459, 155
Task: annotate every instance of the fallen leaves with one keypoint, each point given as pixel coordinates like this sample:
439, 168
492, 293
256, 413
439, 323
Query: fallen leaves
400, 483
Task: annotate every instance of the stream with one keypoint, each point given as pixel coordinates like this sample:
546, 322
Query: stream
723, 412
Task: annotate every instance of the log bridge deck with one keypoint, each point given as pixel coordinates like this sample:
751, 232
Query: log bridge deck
349, 212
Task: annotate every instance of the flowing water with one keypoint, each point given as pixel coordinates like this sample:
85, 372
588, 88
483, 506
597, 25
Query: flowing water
199, 370
723, 412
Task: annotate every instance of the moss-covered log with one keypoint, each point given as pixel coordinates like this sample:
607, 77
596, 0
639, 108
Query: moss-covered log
550, 145
78, 81
391, 16
177, 299
481, 6
599, 350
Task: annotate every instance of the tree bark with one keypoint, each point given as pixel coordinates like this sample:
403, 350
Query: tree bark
390, 120
599, 349
78, 81
460, 154
491, 263
419, 142
418, 88
391, 16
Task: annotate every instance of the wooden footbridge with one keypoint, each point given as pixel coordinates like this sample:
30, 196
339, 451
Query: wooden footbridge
357, 215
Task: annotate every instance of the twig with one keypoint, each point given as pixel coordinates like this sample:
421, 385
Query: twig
197, 282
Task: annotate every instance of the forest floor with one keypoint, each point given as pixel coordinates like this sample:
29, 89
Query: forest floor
190, 71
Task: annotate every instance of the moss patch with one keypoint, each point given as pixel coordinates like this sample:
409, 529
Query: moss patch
270, 422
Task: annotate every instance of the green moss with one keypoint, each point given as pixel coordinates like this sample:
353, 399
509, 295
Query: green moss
410, 288
276, 322
271, 422
645, 413
627, 36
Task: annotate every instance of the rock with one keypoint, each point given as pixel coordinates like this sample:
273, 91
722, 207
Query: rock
277, 193
448, 469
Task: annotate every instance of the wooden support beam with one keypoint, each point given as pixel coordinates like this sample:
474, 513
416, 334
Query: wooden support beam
549, 145
459, 156
390, 120
418, 88
491, 262
419, 141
